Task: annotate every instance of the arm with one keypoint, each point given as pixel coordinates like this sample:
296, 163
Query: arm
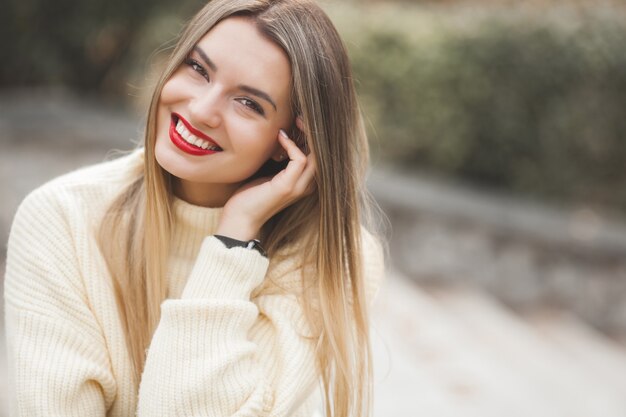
217, 353
58, 362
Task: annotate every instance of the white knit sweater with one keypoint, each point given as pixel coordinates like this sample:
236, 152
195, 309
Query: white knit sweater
220, 349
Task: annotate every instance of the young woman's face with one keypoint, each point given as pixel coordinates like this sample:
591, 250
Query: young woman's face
230, 98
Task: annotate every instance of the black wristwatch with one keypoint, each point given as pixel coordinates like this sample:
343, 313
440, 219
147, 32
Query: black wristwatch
255, 244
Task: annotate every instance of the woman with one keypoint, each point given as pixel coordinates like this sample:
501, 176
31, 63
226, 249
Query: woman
221, 269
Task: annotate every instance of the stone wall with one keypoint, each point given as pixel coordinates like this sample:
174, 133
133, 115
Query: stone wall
527, 255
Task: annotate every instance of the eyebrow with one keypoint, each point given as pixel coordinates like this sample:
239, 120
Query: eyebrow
258, 93
246, 88
205, 58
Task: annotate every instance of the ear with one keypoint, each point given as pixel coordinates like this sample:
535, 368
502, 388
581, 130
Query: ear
279, 154
279, 157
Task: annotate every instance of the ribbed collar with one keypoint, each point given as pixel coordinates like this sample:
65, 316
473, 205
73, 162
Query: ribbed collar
196, 218
191, 224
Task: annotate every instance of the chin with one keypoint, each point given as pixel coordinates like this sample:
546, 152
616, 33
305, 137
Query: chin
170, 161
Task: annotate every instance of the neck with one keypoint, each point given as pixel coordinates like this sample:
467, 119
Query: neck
203, 194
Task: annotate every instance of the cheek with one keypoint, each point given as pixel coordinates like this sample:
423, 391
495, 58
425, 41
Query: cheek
258, 140
171, 91
177, 87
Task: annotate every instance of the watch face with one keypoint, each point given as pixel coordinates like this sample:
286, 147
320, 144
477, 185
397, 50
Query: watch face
256, 244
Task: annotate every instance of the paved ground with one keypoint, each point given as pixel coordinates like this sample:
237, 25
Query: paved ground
459, 353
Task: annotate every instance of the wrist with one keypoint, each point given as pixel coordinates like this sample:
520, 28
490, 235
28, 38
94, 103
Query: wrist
237, 233
237, 229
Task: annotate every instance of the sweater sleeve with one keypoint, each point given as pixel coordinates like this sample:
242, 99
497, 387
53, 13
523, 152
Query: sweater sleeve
58, 361
216, 352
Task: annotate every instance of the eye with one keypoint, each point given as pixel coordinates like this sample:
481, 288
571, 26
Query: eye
251, 104
197, 67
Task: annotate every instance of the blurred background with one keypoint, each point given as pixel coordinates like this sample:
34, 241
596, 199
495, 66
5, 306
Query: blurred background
498, 144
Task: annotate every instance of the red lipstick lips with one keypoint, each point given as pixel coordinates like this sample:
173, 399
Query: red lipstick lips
185, 146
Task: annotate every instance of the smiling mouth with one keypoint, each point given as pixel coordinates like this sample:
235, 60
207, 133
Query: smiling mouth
187, 139
185, 132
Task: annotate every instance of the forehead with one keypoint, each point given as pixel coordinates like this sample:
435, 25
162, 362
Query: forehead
244, 56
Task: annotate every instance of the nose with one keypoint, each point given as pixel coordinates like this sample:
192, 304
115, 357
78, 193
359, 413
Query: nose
206, 108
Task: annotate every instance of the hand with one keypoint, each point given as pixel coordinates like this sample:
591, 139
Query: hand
256, 202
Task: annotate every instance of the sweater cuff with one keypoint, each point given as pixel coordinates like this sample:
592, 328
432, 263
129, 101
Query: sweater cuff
220, 272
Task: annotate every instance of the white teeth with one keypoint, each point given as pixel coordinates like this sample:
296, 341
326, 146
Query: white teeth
193, 139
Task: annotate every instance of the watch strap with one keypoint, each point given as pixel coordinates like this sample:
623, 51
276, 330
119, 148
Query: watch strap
229, 242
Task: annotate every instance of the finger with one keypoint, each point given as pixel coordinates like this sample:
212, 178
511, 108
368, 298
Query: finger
306, 183
297, 159
305, 179
293, 151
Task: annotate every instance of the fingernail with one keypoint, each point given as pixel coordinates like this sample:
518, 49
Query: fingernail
283, 134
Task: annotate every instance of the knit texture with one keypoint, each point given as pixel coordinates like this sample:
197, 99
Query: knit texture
220, 349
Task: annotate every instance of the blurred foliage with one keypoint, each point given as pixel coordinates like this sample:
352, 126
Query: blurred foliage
84, 44
528, 106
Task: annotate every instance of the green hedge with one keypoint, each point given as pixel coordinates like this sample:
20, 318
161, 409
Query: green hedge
88, 45
524, 105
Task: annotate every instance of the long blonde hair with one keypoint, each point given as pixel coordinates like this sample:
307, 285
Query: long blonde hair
329, 220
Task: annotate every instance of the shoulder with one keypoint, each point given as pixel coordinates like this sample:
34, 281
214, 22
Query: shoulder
96, 178
88, 188
72, 203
